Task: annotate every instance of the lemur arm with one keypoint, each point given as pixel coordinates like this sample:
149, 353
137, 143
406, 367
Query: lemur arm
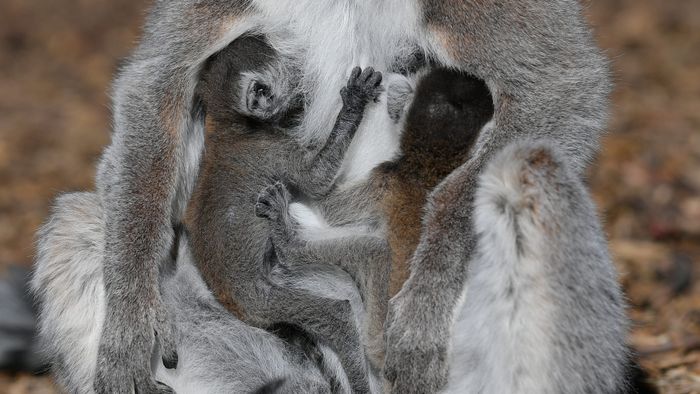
313, 174
145, 178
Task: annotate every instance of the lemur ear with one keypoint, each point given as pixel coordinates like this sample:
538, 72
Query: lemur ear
399, 95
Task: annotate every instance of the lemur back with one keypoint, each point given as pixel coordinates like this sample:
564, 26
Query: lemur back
448, 111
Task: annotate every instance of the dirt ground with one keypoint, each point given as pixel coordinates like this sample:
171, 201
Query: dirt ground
57, 58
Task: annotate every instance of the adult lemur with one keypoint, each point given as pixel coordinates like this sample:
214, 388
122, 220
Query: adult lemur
537, 56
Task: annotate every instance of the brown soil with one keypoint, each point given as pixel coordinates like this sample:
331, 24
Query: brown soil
57, 58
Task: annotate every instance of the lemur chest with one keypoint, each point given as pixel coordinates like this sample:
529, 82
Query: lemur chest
332, 37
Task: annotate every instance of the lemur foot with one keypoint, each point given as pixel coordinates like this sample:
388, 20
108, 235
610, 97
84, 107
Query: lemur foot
363, 86
273, 202
416, 355
127, 369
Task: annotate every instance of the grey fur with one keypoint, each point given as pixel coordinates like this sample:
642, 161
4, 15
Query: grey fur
245, 154
543, 312
218, 352
548, 80
538, 57
366, 258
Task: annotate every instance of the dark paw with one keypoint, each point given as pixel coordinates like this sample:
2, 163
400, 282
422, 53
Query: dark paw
363, 86
153, 387
165, 335
273, 202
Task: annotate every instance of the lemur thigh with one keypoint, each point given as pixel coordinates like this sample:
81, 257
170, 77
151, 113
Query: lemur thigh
543, 311
366, 258
218, 353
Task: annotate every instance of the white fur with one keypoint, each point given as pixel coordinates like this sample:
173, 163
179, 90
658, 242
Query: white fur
377, 140
68, 285
501, 336
335, 36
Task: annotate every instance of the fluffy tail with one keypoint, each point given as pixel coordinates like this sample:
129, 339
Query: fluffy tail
68, 286
543, 311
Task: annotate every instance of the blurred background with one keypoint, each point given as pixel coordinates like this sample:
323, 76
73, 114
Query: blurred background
57, 58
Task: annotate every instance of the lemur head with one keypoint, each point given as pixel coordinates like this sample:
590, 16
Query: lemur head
449, 109
250, 81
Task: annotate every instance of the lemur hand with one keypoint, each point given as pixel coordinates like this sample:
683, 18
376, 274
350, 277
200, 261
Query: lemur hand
363, 86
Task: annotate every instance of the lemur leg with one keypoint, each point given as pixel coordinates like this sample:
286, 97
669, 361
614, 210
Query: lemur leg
145, 179
331, 321
366, 258
543, 86
543, 310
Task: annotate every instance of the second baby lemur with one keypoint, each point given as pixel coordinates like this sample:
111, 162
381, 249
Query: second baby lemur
252, 103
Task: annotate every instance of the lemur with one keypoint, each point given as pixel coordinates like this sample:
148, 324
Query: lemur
248, 102
542, 311
538, 58
439, 121
523, 326
367, 224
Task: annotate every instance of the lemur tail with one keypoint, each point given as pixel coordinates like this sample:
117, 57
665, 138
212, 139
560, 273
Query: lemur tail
69, 290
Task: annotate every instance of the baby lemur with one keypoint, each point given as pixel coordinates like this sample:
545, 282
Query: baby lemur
440, 121
249, 93
448, 111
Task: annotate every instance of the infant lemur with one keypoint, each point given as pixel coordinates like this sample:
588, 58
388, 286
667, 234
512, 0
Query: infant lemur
252, 156
249, 94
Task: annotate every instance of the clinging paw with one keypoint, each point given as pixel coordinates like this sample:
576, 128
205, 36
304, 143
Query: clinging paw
363, 86
272, 202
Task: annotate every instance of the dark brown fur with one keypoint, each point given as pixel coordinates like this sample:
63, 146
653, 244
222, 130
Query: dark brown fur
448, 111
